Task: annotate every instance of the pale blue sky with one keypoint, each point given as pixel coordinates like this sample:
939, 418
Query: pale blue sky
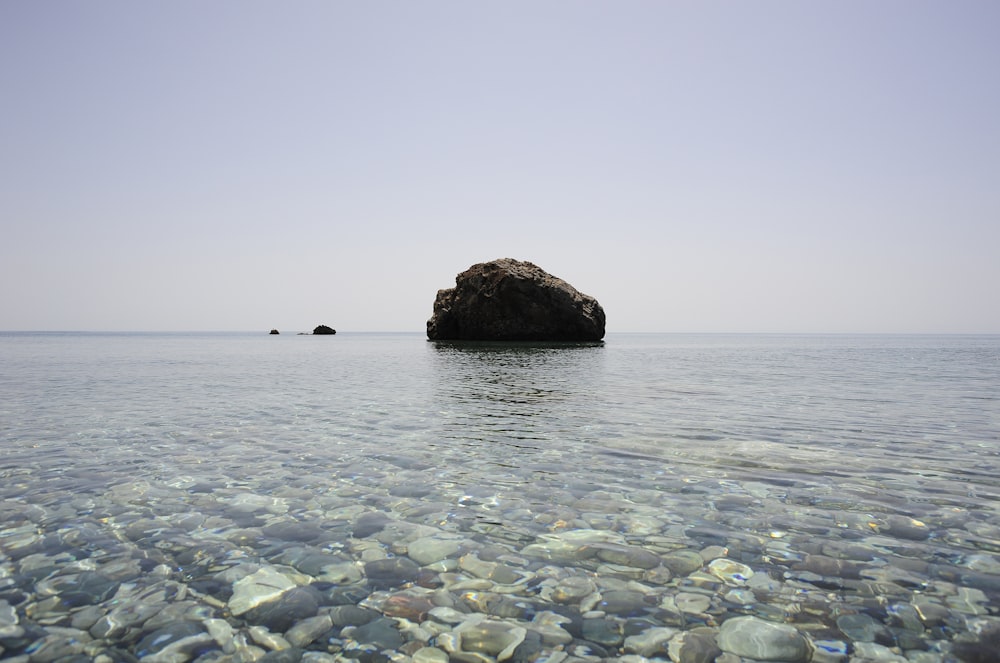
696, 166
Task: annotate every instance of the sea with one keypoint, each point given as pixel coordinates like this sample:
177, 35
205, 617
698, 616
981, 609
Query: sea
381, 497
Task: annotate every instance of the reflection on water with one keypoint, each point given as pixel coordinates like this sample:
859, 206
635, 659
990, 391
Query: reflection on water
513, 393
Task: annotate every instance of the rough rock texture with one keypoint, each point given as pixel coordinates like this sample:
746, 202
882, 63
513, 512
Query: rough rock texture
510, 300
323, 329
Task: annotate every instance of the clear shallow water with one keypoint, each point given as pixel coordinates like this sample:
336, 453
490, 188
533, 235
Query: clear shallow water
852, 475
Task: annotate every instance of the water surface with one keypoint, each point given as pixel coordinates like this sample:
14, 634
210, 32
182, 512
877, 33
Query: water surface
851, 475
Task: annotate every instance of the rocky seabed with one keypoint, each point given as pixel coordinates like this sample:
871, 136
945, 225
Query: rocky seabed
391, 568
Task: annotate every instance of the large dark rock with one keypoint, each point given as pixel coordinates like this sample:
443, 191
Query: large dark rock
323, 329
510, 300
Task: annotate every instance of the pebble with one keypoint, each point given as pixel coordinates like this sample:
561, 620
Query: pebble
446, 615
381, 633
266, 639
289, 607
683, 562
429, 655
730, 572
829, 651
624, 555
572, 589
861, 627
307, 630
870, 651
291, 655
173, 642
413, 607
755, 638
428, 550
265, 584
695, 646
624, 602
495, 638
351, 615
692, 603
369, 523
604, 632
650, 642
222, 632
391, 572
550, 628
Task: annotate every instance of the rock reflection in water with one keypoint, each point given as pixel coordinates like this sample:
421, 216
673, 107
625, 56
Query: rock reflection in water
520, 394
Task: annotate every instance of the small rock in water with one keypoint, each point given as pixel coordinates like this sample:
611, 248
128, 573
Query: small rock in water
429, 655
860, 627
8, 618
57, 645
308, 630
291, 655
174, 642
265, 638
370, 523
624, 555
265, 584
293, 531
651, 642
382, 633
870, 651
573, 589
905, 527
87, 588
730, 572
494, 638
408, 606
549, 627
430, 549
391, 572
694, 646
691, 603
351, 615
603, 632
291, 606
683, 562
755, 638
829, 650
624, 602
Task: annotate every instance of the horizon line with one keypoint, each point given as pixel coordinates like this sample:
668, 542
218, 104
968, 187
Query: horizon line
396, 331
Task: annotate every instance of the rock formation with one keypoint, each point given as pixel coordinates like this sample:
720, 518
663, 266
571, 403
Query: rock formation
275, 331
323, 329
510, 300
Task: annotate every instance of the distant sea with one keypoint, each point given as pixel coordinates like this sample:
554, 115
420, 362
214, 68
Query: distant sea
200, 496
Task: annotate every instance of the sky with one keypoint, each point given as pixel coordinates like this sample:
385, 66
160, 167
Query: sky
696, 166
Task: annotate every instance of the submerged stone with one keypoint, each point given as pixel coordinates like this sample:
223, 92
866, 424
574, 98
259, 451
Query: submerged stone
761, 640
381, 632
431, 549
391, 572
279, 614
729, 571
694, 646
624, 555
181, 638
604, 632
265, 584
